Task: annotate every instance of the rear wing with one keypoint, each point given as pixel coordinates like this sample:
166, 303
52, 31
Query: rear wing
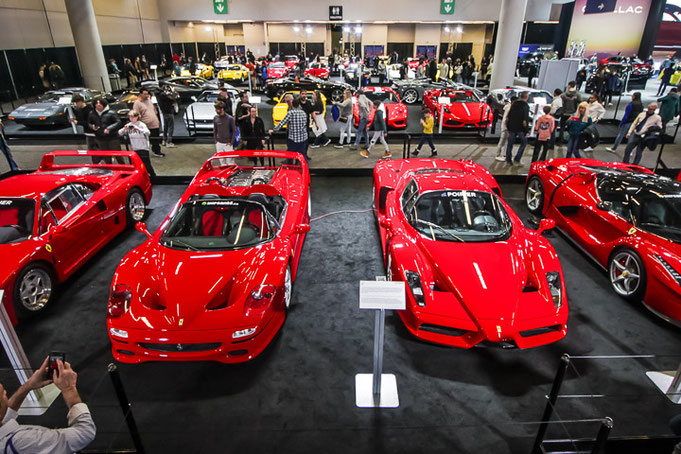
113, 160
287, 159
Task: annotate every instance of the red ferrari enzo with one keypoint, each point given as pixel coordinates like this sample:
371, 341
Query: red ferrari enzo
625, 217
473, 272
320, 70
54, 219
213, 283
276, 69
395, 112
462, 109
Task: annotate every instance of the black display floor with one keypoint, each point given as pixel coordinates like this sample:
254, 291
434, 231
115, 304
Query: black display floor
298, 396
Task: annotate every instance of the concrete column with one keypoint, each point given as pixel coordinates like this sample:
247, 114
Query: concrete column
511, 20
88, 45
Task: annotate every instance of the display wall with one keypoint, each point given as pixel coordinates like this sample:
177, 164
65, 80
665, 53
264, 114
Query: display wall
669, 36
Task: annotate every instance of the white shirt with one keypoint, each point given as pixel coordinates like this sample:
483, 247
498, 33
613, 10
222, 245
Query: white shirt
504, 119
595, 111
41, 440
138, 135
556, 104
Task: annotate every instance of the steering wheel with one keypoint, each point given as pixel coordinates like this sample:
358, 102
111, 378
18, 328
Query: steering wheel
259, 180
219, 180
481, 213
18, 227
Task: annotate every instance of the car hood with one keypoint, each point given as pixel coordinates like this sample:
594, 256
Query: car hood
490, 286
45, 107
201, 110
395, 110
472, 110
171, 288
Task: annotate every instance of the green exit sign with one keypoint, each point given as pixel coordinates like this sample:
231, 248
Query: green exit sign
220, 6
446, 6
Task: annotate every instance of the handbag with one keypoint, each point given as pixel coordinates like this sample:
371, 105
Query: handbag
343, 119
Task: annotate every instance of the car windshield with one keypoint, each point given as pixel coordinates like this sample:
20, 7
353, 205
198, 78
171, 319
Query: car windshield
291, 58
16, 219
208, 97
277, 65
218, 224
387, 97
127, 97
53, 96
460, 216
461, 96
234, 68
539, 98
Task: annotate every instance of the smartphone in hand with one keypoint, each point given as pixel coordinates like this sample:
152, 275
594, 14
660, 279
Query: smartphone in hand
52, 363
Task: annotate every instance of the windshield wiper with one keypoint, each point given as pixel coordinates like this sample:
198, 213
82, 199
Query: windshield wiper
181, 243
440, 229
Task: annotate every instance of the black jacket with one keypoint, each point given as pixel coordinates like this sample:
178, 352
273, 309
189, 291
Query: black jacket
252, 134
107, 120
519, 113
166, 101
83, 117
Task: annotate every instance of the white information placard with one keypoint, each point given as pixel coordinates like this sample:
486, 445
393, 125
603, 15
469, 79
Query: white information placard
64, 99
254, 100
444, 100
388, 295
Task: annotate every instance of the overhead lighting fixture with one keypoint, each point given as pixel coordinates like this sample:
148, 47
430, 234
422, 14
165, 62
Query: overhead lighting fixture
207, 28
447, 30
308, 30
358, 30
346, 29
459, 29
296, 29
190, 24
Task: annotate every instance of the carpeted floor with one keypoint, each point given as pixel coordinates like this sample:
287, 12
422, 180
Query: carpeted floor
298, 396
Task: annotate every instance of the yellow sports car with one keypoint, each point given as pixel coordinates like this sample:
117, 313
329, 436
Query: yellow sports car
279, 111
205, 71
234, 72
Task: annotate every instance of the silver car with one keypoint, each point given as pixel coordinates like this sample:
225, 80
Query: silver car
199, 115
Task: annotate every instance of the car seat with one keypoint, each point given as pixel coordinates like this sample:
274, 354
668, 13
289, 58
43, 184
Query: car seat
654, 212
9, 216
212, 223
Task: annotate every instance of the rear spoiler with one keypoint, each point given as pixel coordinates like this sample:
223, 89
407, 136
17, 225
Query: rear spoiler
220, 160
108, 159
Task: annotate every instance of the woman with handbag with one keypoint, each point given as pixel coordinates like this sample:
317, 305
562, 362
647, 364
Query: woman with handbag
319, 127
253, 133
345, 118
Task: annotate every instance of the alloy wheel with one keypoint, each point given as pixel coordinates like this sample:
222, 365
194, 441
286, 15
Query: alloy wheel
287, 287
35, 289
625, 273
534, 195
410, 96
136, 206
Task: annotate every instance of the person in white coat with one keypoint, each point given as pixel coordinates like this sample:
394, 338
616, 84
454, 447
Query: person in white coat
503, 138
596, 112
138, 135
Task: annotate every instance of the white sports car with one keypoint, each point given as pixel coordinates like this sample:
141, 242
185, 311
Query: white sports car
394, 71
199, 115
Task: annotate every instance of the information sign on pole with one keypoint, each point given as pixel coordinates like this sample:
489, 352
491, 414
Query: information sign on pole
446, 6
220, 6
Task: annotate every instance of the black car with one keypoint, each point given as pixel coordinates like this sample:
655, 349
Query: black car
186, 87
52, 108
331, 89
126, 100
638, 77
411, 90
529, 60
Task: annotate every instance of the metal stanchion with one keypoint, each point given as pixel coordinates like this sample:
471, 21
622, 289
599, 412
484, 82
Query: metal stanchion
659, 162
617, 107
126, 407
552, 397
602, 437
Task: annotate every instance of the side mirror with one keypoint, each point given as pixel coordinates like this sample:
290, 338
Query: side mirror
302, 228
142, 228
545, 224
275, 99
604, 205
386, 224
193, 98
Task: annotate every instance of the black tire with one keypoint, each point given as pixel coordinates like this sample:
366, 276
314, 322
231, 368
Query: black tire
410, 96
623, 265
337, 95
135, 207
288, 287
280, 93
33, 290
534, 195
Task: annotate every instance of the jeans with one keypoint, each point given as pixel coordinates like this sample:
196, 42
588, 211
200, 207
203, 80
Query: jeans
153, 139
321, 139
540, 145
512, 136
168, 127
563, 128
621, 134
426, 138
378, 135
573, 147
5, 150
362, 132
298, 147
503, 142
346, 130
634, 142
144, 156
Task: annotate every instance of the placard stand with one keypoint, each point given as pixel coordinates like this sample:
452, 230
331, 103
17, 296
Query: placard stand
37, 401
379, 390
669, 382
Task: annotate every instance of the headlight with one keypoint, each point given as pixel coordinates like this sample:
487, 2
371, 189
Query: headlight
414, 283
669, 268
119, 300
118, 333
243, 333
553, 279
259, 300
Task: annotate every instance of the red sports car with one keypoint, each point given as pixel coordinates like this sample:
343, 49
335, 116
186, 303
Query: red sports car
463, 109
473, 272
395, 112
413, 63
54, 219
625, 217
276, 69
291, 60
318, 70
213, 283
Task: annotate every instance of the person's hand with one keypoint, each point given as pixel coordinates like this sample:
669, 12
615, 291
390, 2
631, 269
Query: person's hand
94, 128
263, 142
74, 121
270, 131
106, 131
38, 380
627, 136
66, 378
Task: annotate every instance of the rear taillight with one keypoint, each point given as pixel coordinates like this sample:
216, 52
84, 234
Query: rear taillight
119, 300
259, 300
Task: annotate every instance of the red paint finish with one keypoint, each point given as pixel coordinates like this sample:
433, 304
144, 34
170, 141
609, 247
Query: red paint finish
184, 296
601, 232
64, 245
395, 110
472, 113
493, 291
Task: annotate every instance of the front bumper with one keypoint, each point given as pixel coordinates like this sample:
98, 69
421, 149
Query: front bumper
143, 345
465, 124
40, 120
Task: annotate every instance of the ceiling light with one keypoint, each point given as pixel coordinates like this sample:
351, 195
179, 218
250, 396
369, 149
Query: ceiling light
447, 30
207, 27
459, 29
308, 30
358, 30
346, 29
296, 29
190, 24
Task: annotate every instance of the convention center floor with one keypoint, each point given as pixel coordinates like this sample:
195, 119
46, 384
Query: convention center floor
299, 396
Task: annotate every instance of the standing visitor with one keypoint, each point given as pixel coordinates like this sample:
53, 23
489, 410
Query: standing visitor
503, 138
665, 78
320, 129
571, 100
105, 124
669, 106
380, 131
147, 112
345, 118
364, 107
138, 135
56, 75
253, 133
633, 109
518, 127
557, 112
545, 126
5, 149
296, 134
638, 129
224, 129
575, 126
427, 122
81, 115
167, 98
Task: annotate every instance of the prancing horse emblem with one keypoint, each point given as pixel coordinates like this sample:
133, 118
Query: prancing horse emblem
179, 347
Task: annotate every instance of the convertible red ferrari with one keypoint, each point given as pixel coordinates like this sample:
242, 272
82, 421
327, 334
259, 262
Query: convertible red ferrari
320, 70
625, 217
54, 219
213, 283
395, 111
462, 109
473, 272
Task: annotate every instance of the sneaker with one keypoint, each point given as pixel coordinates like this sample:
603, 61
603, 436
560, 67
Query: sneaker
364, 153
353, 148
170, 145
518, 164
588, 149
387, 155
159, 155
500, 158
415, 152
315, 146
339, 146
163, 144
326, 143
433, 154
611, 150
509, 163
